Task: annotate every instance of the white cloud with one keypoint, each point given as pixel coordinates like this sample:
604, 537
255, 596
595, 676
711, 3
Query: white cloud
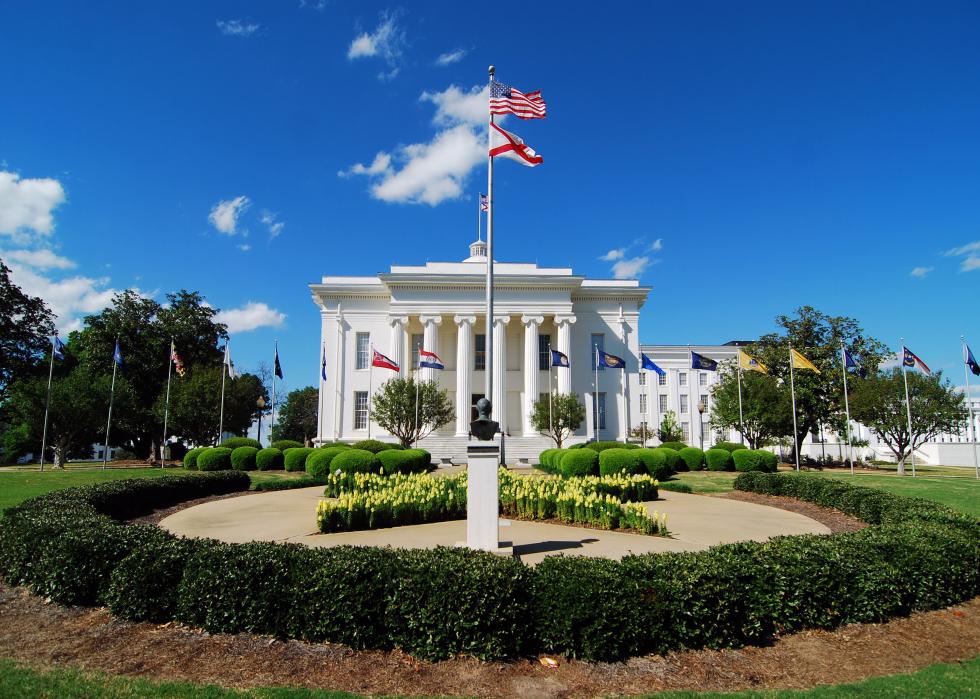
251, 316
920, 272
270, 220
244, 247
657, 245
380, 165
971, 263
69, 299
26, 205
39, 259
963, 249
970, 250
630, 268
224, 215
456, 106
236, 27
612, 255
385, 42
451, 57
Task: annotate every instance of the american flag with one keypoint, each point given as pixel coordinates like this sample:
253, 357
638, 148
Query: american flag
505, 99
484, 204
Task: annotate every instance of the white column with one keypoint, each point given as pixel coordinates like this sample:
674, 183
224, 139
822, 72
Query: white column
397, 343
531, 325
339, 380
464, 368
564, 323
499, 399
430, 341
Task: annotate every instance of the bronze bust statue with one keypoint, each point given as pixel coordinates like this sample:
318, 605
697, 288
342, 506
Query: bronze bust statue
483, 427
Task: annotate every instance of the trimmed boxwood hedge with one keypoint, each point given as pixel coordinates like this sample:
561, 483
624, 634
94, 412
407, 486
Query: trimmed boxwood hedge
269, 460
579, 462
693, 458
655, 463
729, 446
319, 460
439, 603
602, 446
676, 446
544, 460
243, 458
404, 461
674, 461
190, 458
753, 460
625, 461
284, 444
356, 461
235, 442
719, 460
294, 459
214, 459
374, 446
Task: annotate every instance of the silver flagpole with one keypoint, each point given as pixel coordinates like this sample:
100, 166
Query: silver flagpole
595, 395
415, 441
741, 419
792, 389
551, 419
166, 406
221, 418
108, 422
969, 407
488, 337
47, 403
646, 399
908, 407
272, 417
847, 407
370, 390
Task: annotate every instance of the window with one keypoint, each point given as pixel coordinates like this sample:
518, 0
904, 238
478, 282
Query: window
643, 378
706, 400
480, 354
643, 404
686, 431
360, 410
663, 404
598, 340
705, 432
703, 379
682, 378
602, 412
685, 408
418, 339
544, 352
662, 379
362, 361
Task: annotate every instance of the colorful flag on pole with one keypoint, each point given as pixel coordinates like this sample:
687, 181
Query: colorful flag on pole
967, 358
379, 360
323, 365
611, 361
277, 367
58, 348
484, 202
851, 363
559, 359
505, 99
699, 361
429, 360
178, 362
117, 355
508, 145
232, 374
800, 362
647, 363
749, 363
910, 359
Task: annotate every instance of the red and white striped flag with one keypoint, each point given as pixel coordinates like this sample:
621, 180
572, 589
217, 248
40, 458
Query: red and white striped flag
508, 145
504, 99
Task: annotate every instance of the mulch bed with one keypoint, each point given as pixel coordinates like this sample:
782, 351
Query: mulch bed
835, 520
43, 634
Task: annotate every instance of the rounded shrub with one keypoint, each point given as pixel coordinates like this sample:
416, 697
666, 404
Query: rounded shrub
333, 445
243, 458
235, 442
619, 461
577, 462
674, 461
190, 458
295, 459
319, 460
374, 446
579, 445
729, 446
719, 460
749, 460
215, 459
602, 446
356, 461
693, 458
655, 462
676, 446
544, 460
556, 457
771, 460
395, 461
421, 460
284, 444
269, 459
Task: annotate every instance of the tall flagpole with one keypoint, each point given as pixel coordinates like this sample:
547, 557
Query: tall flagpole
551, 419
969, 407
416, 382
595, 395
741, 419
108, 422
47, 403
646, 394
488, 338
221, 418
908, 407
272, 419
792, 389
166, 406
370, 390
847, 407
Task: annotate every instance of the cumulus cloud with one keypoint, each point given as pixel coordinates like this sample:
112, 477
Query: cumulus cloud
451, 57
27, 205
237, 27
271, 221
657, 245
244, 247
251, 316
613, 255
456, 106
379, 166
969, 253
224, 215
920, 272
39, 259
971, 263
630, 268
385, 42
69, 299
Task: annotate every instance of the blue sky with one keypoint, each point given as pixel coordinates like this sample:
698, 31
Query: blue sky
743, 159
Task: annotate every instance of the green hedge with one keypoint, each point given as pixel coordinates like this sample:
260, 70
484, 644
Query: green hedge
619, 461
693, 458
544, 460
269, 459
235, 442
655, 463
190, 458
674, 461
374, 446
719, 460
676, 446
771, 460
404, 461
729, 446
356, 461
319, 460
284, 444
753, 460
294, 458
602, 446
214, 459
579, 462
243, 458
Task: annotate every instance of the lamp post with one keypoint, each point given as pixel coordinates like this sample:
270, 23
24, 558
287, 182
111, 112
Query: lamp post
260, 404
701, 407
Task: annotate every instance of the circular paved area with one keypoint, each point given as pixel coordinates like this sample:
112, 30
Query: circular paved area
695, 521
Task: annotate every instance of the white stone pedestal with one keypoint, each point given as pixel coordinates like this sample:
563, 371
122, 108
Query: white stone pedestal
482, 498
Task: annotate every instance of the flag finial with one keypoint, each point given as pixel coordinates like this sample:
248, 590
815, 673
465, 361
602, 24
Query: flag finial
491, 70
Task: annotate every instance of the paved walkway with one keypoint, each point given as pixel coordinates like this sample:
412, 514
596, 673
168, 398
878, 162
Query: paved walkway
695, 521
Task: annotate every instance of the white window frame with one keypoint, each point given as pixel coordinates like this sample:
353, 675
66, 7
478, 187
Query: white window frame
664, 404
685, 404
362, 355
682, 378
662, 379
360, 410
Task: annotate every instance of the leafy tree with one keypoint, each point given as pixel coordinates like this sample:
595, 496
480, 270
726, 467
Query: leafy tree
394, 408
879, 403
565, 416
297, 417
669, 430
25, 326
766, 406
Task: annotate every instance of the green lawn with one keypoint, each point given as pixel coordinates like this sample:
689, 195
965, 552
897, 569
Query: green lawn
707, 481
20, 682
960, 491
